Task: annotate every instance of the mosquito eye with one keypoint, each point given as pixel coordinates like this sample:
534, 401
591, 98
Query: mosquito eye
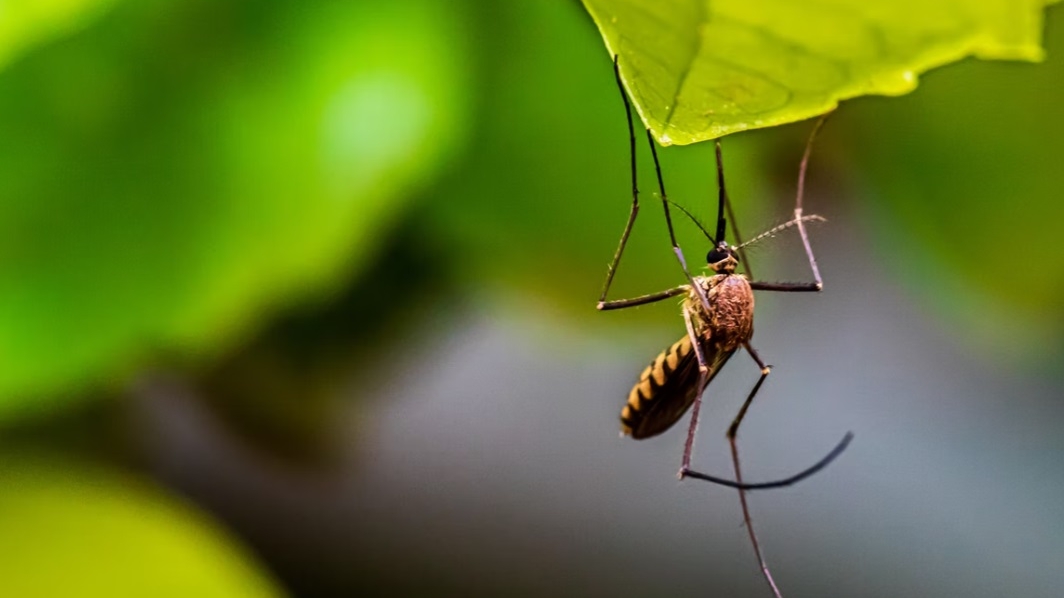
715, 256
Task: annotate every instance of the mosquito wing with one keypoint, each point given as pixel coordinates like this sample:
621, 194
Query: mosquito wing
666, 389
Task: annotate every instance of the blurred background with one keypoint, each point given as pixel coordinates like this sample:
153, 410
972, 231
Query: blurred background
298, 299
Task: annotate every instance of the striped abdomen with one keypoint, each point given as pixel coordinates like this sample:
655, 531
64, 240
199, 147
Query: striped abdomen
667, 387
663, 393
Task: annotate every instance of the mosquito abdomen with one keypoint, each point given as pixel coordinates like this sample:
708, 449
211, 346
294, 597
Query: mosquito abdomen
647, 389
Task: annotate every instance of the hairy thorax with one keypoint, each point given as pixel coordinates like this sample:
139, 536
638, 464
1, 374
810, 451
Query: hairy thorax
729, 322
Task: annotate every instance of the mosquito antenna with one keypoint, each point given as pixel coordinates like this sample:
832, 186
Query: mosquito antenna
722, 198
693, 219
778, 229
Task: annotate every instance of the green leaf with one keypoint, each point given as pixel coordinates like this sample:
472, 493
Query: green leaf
164, 184
700, 69
962, 181
73, 531
552, 134
28, 23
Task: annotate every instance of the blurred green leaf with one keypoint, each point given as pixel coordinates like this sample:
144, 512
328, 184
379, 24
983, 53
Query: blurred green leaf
27, 23
72, 531
181, 167
700, 69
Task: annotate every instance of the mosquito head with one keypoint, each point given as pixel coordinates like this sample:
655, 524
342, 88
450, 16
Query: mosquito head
722, 259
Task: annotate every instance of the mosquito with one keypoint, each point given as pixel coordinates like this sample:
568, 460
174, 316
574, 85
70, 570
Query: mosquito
718, 312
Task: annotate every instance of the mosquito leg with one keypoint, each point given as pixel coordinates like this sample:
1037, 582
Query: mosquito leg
726, 203
798, 203
781, 483
635, 191
703, 379
788, 287
668, 222
612, 270
642, 299
733, 432
799, 221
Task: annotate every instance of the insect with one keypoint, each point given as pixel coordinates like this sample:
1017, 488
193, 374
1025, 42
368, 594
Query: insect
718, 311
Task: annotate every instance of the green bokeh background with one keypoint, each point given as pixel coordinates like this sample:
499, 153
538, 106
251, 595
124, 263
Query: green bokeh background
269, 205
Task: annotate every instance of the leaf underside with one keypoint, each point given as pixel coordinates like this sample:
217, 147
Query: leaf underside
701, 69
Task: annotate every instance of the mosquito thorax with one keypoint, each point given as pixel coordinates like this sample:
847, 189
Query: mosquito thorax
722, 259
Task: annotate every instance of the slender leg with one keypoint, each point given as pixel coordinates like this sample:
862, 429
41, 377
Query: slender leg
733, 432
739, 242
703, 380
798, 203
726, 202
612, 270
687, 472
635, 191
704, 377
787, 287
781, 483
642, 299
799, 221
668, 222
